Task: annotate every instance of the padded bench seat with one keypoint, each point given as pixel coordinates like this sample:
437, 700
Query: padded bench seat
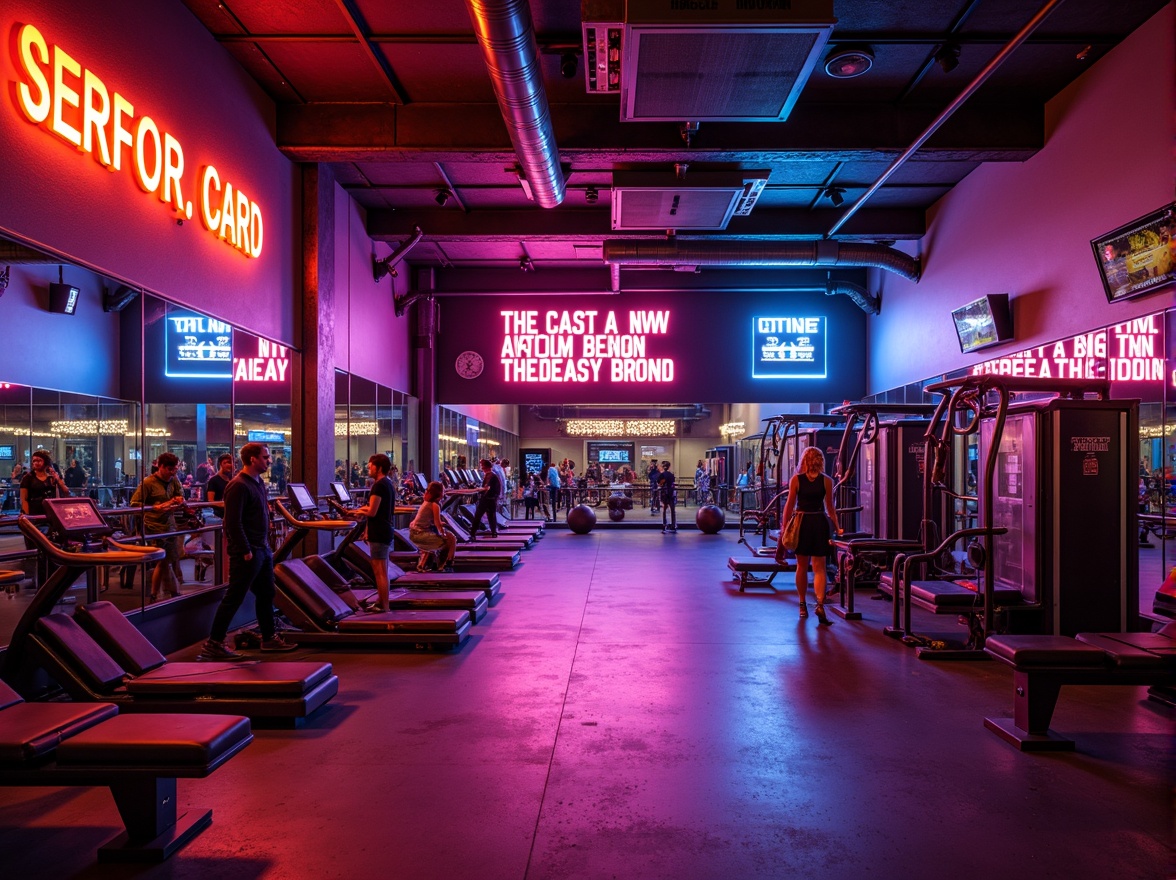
139, 758
745, 571
948, 596
440, 620
290, 678
1043, 663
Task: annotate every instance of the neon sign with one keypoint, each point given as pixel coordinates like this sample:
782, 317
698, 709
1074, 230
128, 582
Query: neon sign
73, 103
198, 347
583, 346
789, 347
272, 364
1128, 352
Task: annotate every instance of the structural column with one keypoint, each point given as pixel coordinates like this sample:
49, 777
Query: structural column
314, 384
426, 315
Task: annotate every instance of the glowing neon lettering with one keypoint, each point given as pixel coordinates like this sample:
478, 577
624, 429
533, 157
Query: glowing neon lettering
56, 92
272, 364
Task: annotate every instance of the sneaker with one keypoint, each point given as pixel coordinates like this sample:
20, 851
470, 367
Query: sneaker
214, 650
448, 569
277, 643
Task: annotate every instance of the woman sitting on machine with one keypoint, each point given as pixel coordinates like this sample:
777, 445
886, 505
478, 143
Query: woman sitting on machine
427, 531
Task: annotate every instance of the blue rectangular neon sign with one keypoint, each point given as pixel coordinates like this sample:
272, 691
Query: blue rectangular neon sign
197, 346
789, 347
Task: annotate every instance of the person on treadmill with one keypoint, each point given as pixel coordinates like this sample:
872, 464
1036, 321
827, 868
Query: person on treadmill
379, 509
251, 562
427, 530
488, 501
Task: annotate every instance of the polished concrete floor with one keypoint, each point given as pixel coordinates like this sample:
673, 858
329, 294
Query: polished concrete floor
624, 712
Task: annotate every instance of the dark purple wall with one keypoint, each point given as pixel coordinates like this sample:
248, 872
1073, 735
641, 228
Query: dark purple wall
170, 68
1025, 229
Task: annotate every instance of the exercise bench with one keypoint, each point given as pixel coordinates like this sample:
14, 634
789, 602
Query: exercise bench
1042, 664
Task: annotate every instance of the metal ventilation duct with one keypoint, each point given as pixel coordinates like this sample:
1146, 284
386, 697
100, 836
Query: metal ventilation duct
507, 38
705, 200
761, 255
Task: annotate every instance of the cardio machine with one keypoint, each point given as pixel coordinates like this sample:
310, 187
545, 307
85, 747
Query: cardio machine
97, 654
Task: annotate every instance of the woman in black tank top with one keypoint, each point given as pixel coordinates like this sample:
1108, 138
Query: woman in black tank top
810, 494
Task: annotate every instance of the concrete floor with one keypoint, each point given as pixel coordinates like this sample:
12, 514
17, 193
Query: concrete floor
623, 712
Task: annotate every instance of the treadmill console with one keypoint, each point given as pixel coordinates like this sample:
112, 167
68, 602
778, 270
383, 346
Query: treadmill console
342, 495
421, 482
301, 499
75, 519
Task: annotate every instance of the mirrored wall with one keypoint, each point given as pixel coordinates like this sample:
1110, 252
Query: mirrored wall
463, 441
371, 418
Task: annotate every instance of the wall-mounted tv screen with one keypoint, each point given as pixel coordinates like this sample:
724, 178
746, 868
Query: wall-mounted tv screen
1139, 257
6, 452
983, 322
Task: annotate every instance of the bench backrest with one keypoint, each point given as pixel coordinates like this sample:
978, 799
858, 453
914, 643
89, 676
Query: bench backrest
119, 638
305, 590
73, 646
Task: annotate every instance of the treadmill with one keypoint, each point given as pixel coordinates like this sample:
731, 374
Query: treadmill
444, 592
353, 557
99, 655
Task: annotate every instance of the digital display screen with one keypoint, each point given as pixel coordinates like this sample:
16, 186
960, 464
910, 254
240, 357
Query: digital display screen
1139, 257
197, 346
975, 325
302, 498
789, 347
266, 437
75, 516
341, 493
6, 452
614, 455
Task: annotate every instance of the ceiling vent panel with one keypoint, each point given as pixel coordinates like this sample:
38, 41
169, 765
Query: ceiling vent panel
704, 60
700, 201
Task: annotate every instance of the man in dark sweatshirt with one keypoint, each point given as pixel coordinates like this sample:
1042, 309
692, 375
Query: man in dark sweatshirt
251, 563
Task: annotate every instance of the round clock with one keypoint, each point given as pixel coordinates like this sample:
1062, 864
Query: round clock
469, 365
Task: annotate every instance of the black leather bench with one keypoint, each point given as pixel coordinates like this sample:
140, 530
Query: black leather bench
139, 758
99, 655
1042, 664
748, 571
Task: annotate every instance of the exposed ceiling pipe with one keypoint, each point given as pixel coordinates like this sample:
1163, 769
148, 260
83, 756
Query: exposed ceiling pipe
760, 255
947, 111
866, 301
507, 37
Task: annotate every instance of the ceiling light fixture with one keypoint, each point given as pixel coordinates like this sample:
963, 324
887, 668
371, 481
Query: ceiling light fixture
948, 57
525, 264
835, 194
442, 197
848, 61
591, 195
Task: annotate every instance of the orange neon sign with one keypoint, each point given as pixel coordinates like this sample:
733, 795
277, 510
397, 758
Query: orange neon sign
75, 105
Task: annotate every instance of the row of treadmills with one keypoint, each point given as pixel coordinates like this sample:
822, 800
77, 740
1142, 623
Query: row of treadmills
139, 721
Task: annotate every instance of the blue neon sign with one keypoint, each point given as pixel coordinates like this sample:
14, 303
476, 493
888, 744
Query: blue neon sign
789, 347
197, 346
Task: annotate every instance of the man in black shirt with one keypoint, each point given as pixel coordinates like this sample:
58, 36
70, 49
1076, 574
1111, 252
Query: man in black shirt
488, 502
379, 510
669, 498
251, 563
218, 482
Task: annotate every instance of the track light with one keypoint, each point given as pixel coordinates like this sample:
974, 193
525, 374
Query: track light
835, 194
591, 195
568, 65
442, 197
525, 264
948, 57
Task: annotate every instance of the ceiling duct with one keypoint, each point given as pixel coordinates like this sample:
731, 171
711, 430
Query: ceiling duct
507, 37
760, 255
704, 60
866, 301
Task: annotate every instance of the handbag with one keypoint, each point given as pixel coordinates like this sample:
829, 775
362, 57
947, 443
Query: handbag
791, 536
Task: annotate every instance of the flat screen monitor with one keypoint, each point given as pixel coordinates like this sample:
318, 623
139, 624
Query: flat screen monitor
6, 452
302, 498
983, 322
75, 518
1139, 257
421, 481
341, 494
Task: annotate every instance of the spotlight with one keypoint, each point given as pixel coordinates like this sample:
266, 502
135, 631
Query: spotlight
948, 57
568, 63
442, 197
591, 195
848, 61
835, 194
525, 264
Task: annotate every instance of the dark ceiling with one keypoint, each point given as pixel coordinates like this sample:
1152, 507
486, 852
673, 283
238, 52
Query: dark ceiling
397, 99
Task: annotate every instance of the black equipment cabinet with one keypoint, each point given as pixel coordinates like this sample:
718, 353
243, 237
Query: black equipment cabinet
1065, 487
890, 483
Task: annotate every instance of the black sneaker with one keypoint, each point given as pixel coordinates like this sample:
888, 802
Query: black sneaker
214, 650
277, 644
